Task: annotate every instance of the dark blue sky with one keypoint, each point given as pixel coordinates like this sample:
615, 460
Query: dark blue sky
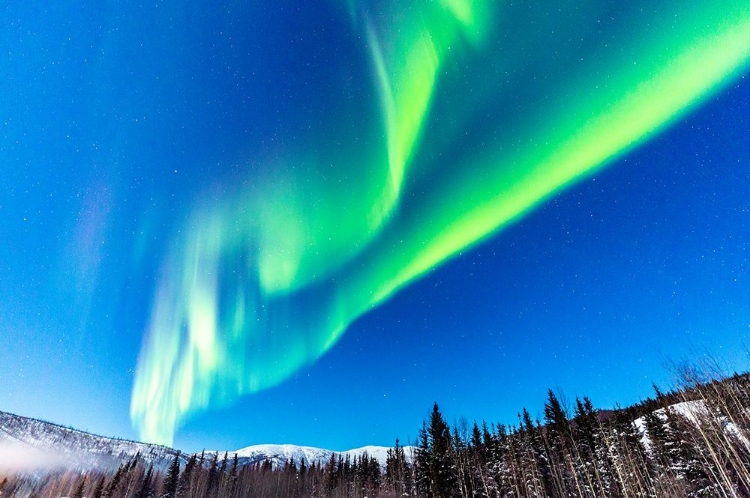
117, 121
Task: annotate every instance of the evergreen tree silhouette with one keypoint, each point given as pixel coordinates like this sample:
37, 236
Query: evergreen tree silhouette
78, 493
185, 480
98, 490
213, 474
422, 464
173, 474
146, 490
443, 478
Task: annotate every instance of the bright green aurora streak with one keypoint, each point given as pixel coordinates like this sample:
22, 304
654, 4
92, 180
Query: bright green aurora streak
485, 109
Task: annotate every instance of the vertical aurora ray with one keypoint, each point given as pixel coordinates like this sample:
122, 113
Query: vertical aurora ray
484, 113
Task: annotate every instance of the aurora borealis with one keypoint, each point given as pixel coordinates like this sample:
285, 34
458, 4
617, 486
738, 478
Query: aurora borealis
266, 282
220, 194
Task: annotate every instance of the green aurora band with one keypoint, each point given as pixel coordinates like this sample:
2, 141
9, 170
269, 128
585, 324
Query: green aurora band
485, 110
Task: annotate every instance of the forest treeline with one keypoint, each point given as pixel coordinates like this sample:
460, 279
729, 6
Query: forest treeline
692, 442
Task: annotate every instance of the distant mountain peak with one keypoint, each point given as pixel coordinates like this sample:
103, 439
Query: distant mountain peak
281, 454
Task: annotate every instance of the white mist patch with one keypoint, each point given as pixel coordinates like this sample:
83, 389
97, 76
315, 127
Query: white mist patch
17, 457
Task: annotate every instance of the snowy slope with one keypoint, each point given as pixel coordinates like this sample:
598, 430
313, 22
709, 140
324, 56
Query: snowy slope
695, 412
280, 454
380, 453
28, 444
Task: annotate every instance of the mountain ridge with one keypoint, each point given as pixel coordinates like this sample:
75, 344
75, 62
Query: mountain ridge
32, 444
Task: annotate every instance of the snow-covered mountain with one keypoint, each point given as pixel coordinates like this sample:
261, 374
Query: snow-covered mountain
280, 454
30, 444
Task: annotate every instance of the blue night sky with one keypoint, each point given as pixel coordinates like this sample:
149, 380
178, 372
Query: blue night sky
261, 222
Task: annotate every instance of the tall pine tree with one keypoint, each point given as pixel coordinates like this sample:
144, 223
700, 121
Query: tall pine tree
173, 474
443, 478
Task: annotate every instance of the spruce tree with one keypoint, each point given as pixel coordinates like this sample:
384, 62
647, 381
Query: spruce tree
657, 436
146, 490
396, 469
477, 446
184, 482
98, 490
109, 491
232, 479
422, 464
527, 425
223, 467
686, 458
443, 478
213, 472
222, 475
585, 425
331, 474
78, 493
173, 474
533, 454
556, 421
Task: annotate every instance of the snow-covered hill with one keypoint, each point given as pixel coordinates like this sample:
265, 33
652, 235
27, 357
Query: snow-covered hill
280, 454
696, 412
28, 444
31, 444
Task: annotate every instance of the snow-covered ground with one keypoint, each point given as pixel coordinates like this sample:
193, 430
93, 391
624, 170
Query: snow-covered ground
695, 412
